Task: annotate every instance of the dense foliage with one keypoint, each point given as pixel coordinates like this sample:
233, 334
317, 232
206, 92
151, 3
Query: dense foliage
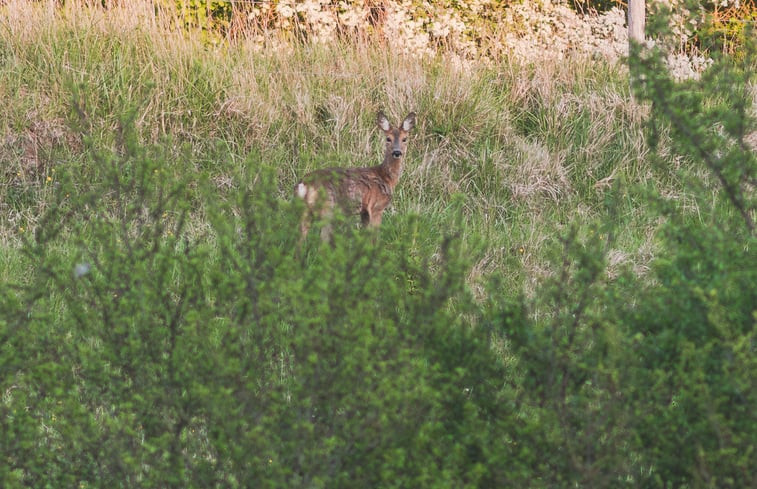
162, 324
157, 359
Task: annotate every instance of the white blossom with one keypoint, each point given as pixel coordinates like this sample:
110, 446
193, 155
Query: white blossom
527, 31
284, 10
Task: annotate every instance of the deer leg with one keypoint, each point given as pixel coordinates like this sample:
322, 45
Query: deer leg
365, 217
305, 223
375, 219
326, 222
326, 232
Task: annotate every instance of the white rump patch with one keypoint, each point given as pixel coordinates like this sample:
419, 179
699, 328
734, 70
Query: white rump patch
301, 190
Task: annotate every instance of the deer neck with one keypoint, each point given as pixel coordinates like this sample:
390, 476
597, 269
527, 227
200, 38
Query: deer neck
392, 168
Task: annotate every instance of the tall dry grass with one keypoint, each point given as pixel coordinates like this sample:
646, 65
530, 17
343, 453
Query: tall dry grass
527, 146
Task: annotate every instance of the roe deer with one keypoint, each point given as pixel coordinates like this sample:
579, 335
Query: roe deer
364, 191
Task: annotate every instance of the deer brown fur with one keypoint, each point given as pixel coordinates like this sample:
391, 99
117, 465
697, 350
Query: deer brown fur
364, 191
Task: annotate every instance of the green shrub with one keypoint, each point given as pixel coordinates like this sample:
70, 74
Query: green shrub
692, 331
163, 326
146, 353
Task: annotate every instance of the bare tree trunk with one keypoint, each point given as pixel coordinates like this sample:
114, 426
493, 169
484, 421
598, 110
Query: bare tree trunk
636, 12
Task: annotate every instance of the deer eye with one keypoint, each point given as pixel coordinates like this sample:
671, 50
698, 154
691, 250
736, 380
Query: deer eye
404, 140
388, 140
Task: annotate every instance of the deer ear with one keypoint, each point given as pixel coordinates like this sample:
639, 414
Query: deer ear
409, 122
383, 122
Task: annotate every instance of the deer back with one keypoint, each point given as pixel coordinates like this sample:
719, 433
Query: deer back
352, 189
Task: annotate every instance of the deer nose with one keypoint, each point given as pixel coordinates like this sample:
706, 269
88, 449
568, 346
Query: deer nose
396, 153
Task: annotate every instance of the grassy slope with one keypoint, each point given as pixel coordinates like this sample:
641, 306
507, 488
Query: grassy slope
525, 153
529, 149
